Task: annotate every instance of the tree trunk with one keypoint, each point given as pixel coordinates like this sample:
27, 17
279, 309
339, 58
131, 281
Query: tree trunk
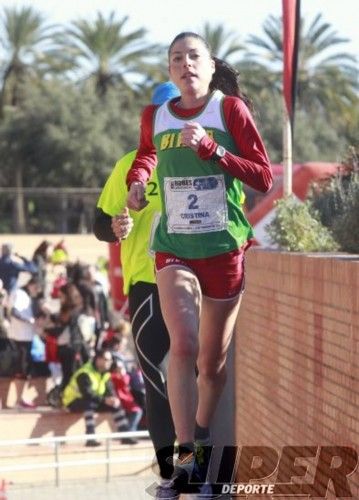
19, 205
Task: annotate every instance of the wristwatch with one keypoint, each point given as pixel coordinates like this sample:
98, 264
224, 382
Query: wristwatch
219, 153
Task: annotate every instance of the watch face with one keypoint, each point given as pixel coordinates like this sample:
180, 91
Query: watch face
220, 151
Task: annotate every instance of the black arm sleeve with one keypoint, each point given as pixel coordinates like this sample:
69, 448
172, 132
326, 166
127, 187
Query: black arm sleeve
84, 384
110, 390
102, 226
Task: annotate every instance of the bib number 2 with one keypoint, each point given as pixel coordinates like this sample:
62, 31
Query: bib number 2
195, 204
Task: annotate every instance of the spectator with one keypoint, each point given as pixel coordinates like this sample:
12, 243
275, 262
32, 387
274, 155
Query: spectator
4, 313
121, 328
52, 359
8, 352
95, 300
121, 383
53, 397
118, 345
59, 281
90, 389
40, 258
101, 274
60, 254
40, 367
22, 324
137, 385
72, 348
11, 265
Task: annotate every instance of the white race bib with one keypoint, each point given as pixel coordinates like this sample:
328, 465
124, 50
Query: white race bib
196, 204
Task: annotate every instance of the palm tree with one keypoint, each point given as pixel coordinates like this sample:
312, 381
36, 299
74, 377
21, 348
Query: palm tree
224, 44
25, 38
327, 80
103, 51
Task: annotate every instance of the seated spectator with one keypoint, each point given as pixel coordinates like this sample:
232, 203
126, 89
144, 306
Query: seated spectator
11, 265
121, 329
121, 384
137, 385
118, 346
90, 389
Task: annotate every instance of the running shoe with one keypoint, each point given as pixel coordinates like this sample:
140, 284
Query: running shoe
167, 490
203, 457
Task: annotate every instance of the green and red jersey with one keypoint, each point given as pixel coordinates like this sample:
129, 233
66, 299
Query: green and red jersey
201, 198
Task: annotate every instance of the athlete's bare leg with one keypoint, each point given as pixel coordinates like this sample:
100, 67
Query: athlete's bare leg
180, 298
217, 323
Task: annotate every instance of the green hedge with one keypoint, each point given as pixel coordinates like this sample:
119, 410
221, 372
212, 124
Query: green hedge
296, 228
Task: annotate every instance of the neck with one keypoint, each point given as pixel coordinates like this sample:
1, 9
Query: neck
191, 100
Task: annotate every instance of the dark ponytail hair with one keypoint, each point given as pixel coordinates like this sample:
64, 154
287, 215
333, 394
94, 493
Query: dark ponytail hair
225, 78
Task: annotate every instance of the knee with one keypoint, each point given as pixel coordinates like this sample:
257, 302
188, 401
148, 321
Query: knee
214, 373
184, 345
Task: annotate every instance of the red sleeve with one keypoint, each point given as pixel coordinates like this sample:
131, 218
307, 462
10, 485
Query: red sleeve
146, 158
252, 165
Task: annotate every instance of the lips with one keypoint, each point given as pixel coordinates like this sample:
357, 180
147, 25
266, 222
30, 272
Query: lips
188, 75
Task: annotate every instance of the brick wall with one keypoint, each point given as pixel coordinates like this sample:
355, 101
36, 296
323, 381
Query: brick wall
297, 352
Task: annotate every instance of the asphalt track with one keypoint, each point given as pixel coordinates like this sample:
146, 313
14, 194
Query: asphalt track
124, 488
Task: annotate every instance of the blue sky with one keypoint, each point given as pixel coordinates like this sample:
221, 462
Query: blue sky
165, 18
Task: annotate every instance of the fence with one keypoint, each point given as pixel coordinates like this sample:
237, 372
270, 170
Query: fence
57, 464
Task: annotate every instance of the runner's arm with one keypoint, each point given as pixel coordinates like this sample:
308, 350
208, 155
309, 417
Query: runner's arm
102, 226
251, 165
146, 158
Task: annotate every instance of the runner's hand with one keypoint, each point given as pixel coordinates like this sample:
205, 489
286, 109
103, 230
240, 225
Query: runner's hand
136, 196
192, 134
122, 224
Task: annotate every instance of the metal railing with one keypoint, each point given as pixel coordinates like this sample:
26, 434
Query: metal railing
57, 464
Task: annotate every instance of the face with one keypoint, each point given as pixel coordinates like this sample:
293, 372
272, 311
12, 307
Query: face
191, 66
75, 296
103, 363
120, 368
62, 297
34, 289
